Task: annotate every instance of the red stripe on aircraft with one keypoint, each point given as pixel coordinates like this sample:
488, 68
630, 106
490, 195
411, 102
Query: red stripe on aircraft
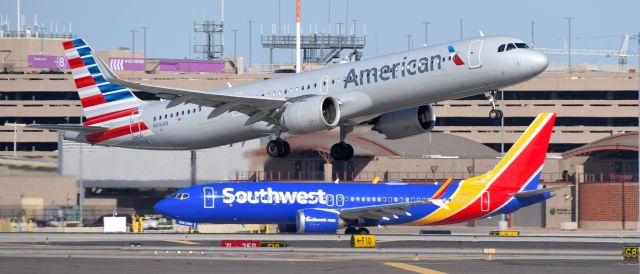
520, 169
457, 60
76, 62
109, 116
67, 45
84, 82
92, 100
115, 133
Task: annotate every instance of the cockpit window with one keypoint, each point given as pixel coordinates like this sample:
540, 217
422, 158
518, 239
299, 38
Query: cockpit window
501, 48
522, 46
181, 196
510, 47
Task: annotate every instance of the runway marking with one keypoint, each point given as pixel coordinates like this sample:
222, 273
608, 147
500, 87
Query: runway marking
414, 268
182, 242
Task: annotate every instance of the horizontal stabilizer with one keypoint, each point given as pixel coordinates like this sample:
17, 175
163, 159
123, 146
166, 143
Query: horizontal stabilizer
531, 193
68, 127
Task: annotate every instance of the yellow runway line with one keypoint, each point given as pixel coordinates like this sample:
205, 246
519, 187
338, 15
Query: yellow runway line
414, 268
182, 242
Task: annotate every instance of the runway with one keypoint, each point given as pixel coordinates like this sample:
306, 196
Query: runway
171, 253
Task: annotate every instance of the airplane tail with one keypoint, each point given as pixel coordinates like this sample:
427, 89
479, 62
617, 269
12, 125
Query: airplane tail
103, 103
521, 167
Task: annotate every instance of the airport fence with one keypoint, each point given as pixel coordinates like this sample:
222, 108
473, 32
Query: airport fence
61, 215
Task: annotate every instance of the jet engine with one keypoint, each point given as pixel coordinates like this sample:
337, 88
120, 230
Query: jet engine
318, 221
311, 114
406, 122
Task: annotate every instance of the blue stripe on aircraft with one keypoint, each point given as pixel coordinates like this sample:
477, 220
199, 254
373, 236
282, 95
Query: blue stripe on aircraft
109, 88
116, 96
78, 43
84, 51
88, 60
94, 70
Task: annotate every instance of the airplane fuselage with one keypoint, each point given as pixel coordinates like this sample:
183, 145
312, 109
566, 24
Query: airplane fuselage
365, 90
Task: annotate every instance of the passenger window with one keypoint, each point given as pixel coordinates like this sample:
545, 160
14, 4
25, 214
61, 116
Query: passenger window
165, 116
501, 48
154, 119
384, 199
183, 112
510, 47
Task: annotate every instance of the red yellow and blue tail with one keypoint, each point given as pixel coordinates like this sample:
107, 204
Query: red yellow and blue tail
102, 101
491, 193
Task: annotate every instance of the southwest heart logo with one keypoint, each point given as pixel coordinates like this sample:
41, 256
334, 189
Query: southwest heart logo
454, 55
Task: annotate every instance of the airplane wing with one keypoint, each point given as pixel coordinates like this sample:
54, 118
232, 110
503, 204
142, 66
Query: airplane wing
67, 127
380, 212
530, 193
260, 108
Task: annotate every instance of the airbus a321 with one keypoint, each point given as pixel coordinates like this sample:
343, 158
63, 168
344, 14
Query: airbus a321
393, 93
327, 207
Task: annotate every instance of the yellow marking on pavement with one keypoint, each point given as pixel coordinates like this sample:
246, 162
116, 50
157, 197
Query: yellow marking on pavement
414, 268
182, 242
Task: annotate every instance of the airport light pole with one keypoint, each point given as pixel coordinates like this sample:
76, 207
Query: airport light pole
426, 33
15, 136
235, 55
250, 23
133, 43
144, 46
569, 19
460, 28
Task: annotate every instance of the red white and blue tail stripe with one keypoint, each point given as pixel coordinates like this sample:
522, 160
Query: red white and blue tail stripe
101, 100
104, 104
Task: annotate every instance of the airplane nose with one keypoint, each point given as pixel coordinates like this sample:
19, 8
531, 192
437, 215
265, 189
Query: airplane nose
538, 61
162, 207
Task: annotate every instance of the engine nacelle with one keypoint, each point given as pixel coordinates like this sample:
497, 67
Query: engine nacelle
318, 221
406, 122
311, 114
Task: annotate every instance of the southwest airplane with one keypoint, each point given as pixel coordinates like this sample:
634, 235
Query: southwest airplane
326, 207
393, 93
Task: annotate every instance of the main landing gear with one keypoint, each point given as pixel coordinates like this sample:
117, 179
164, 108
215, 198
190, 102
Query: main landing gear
495, 113
278, 148
352, 230
342, 151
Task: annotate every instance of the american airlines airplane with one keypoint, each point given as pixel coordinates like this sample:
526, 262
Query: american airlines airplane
326, 207
392, 93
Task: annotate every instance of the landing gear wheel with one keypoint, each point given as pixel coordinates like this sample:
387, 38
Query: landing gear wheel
350, 231
286, 148
342, 151
362, 231
278, 148
495, 114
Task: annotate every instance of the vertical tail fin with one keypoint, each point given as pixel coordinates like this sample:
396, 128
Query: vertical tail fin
101, 100
521, 167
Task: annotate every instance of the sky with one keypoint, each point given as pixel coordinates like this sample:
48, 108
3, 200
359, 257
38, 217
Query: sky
107, 24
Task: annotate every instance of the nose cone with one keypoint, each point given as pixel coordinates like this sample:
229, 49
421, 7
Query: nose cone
162, 207
537, 61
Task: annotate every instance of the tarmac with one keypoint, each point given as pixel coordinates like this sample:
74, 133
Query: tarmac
472, 251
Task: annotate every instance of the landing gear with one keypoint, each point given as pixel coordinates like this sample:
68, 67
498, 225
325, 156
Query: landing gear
278, 148
342, 151
352, 230
495, 113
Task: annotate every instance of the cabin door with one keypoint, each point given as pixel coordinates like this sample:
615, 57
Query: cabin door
485, 201
475, 49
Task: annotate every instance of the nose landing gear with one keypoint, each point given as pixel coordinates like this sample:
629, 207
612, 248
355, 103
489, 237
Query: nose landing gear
495, 113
